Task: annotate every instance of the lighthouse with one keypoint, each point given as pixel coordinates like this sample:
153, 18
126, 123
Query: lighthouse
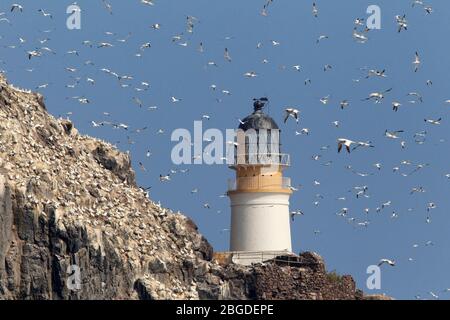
259, 194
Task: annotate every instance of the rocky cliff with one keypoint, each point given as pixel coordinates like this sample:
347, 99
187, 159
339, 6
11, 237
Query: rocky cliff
71, 200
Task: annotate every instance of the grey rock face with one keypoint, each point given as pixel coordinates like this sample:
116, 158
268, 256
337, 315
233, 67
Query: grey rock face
118, 163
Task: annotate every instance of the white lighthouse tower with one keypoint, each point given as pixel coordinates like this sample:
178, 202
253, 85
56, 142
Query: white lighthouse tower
260, 217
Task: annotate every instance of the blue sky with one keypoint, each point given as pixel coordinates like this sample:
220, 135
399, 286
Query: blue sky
183, 72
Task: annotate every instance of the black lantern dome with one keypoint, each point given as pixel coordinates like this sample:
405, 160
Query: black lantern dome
258, 119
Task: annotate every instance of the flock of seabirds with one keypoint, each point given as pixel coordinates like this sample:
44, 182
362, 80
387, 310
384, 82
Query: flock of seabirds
291, 113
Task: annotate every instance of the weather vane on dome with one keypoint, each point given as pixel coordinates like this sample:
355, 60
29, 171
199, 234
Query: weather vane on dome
259, 104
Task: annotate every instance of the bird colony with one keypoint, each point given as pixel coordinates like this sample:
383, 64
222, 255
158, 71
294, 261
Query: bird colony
36, 148
90, 184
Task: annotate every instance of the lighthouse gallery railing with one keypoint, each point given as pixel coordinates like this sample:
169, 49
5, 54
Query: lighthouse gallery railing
282, 159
